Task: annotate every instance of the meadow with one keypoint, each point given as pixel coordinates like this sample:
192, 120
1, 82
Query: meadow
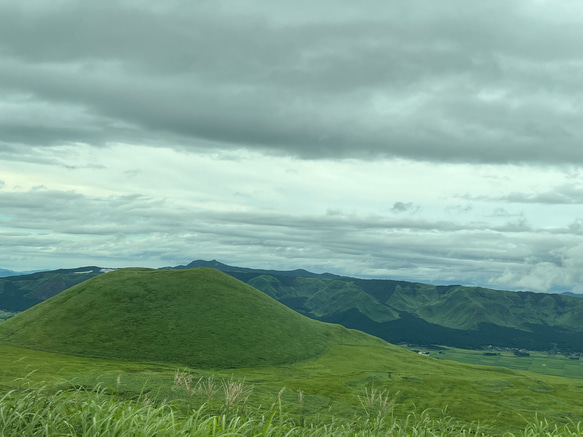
375, 391
78, 412
544, 363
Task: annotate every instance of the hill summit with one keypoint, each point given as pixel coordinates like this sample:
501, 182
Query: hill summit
199, 317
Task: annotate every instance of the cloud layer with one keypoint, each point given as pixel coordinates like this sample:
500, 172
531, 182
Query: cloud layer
450, 82
429, 141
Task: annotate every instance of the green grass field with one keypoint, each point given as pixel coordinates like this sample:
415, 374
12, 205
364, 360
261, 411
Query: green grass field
499, 399
542, 363
92, 413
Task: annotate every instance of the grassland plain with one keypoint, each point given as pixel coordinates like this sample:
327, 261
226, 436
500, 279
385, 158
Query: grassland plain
331, 370
545, 363
500, 400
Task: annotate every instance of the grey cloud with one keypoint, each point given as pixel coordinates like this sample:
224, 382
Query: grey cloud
459, 209
501, 212
473, 256
74, 213
568, 194
564, 195
148, 231
399, 207
29, 154
520, 225
455, 82
576, 227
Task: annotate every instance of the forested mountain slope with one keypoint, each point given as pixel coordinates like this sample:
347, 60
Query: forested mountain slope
396, 311
400, 311
18, 293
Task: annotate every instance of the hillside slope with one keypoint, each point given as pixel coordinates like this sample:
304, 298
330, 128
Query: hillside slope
20, 292
459, 316
198, 317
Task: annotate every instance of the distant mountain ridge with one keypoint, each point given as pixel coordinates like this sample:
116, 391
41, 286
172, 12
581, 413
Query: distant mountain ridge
568, 293
5, 273
18, 293
214, 264
396, 311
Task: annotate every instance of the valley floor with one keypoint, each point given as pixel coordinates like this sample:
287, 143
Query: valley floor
544, 363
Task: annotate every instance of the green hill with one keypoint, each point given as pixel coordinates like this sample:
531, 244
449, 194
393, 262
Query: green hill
197, 317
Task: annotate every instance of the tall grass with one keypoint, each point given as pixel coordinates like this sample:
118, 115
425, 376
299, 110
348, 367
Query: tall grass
80, 412
376, 404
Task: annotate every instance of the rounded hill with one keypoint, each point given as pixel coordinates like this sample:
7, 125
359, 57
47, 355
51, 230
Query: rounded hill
198, 317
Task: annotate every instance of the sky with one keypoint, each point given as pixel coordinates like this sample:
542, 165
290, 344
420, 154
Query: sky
429, 141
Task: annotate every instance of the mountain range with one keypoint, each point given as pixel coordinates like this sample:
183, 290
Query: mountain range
18, 293
4, 273
396, 311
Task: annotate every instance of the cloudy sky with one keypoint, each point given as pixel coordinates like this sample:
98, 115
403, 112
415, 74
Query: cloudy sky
431, 141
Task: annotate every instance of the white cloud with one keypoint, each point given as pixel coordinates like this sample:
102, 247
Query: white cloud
130, 205
540, 277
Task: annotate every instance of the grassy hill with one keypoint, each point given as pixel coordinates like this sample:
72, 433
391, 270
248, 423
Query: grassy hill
198, 317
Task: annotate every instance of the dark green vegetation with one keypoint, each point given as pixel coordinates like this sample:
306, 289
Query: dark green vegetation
407, 312
18, 293
198, 317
